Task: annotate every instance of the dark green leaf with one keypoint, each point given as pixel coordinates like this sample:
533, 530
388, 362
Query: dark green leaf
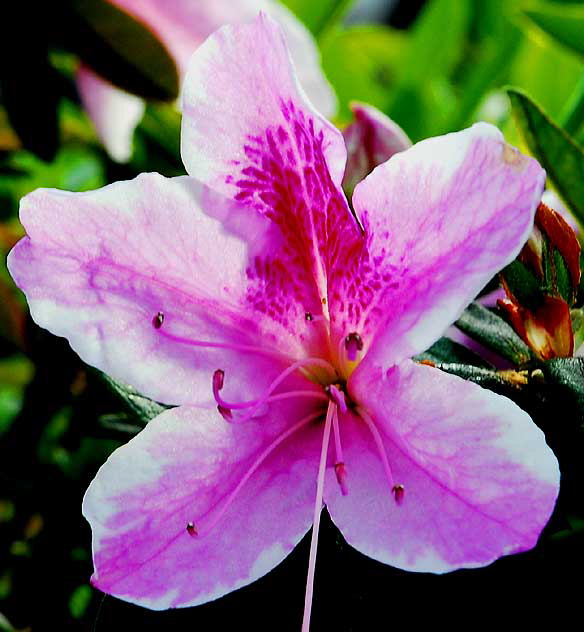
523, 284
446, 350
565, 24
121, 49
499, 381
562, 158
493, 332
567, 374
141, 407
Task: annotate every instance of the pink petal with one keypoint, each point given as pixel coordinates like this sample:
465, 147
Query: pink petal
372, 138
479, 480
114, 113
97, 267
440, 219
250, 134
183, 25
179, 470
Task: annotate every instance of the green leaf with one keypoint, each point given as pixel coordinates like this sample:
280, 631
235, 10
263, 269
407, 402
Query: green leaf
142, 408
561, 157
79, 601
493, 332
578, 326
567, 374
449, 351
502, 382
121, 49
361, 63
321, 15
563, 23
437, 42
523, 284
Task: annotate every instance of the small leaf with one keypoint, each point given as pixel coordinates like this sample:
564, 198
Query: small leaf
509, 383
493, 332
143, 408
79, 601
449, 351
567, 374
321, 15
121, 49
561, 157
564, 24
578, 327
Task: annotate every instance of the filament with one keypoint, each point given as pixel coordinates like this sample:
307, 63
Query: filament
316, 522
253, 468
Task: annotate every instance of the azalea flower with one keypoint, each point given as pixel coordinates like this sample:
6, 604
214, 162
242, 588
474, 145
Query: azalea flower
182, 26
280, 324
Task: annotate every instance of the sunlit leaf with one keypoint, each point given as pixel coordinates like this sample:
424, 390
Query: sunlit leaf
561, 157
141, 407
563, 23
361, 63
318, 15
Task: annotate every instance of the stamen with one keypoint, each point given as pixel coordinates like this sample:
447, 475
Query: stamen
316, 522
398, 493
353, 344
397, 490
336, 396
340, 469
263, 351
192, 530
255, 465
255, 404
308, 316
157, 320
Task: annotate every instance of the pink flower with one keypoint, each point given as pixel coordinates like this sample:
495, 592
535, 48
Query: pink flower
183, 25
276, 320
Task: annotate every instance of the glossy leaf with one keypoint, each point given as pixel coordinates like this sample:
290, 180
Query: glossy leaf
562, 158
493, 332
142, 408
445, 350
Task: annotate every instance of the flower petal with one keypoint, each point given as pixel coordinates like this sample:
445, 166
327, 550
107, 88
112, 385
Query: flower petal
114, 113
183, 25
440, 219
250, 134
97, 267
371, 139
181, 469
479, 480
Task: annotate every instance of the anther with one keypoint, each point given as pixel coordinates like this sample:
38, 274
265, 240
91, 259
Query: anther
336, 395
353, 344
218, 380
341, 474
191, 529
226, 413
157, 320
398, 492
308, 317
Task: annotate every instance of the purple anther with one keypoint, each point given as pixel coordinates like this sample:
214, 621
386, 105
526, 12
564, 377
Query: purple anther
398, 492
308, 317
336, 396
218, 379
157, 320
192, 530
341, 474
353, 344
226, 413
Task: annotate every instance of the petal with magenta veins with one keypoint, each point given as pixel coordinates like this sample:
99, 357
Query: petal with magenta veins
250, 133
371, 139
479, 480
440, 219
195, 507
133, 273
